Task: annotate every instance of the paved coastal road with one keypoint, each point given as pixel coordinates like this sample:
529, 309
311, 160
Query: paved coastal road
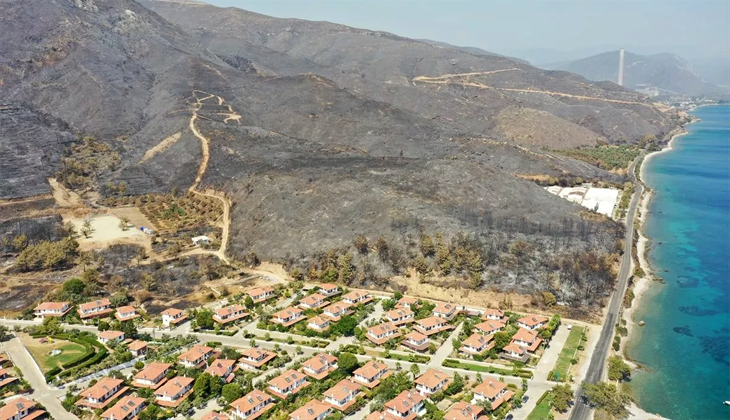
582, 411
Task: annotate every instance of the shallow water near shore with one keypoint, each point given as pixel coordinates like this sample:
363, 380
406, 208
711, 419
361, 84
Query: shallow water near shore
685, 345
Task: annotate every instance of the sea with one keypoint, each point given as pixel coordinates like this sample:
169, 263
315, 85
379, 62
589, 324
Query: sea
684, 348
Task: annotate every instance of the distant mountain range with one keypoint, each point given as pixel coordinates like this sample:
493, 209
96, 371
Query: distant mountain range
668, 72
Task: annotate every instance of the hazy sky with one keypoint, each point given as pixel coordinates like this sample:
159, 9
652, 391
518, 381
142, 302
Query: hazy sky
698, 27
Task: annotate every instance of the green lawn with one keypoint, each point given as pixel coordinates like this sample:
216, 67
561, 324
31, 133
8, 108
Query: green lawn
40, 352
453, 363
542, 410
562, 365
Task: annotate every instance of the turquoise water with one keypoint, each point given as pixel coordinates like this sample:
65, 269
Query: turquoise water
685, 345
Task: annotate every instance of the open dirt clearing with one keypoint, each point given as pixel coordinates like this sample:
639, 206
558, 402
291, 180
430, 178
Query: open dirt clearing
106, 231
135, 216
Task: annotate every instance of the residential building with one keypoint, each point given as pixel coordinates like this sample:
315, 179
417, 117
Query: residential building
431, 381
319, 366
357, 298
313, 301
214, 415
495, 392
174, 391
465, 411
380, 415
172, 317
318, 323
223, 368
52, 309
288, 317
406, 406
20, 409
252, 405
111, 337
408, 302
95, 309
255, 359
446, 310
337, 310
138, 348
381, 333
532, 322
527, 339
125, 409
477, 344
152, 376
329, 289
416, 341
196, 357
493, 314
288, 383
6, 378
489, 327
313, 410
126, 313
371, 373
432, 325
400, 316
261, 294
202, 239
102, 393
230, 313
514, 352
343, 395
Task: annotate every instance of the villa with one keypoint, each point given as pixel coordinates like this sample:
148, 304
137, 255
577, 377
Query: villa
95, 309
152, 376
343, 395
137, 348
318, 323
313, 410
416, 341
6, 378
495, 392
493, 315
320, 366
337, 310
102, 393
371, 373
465, 411
229, 314
288, 383
400, 316
196, 357
261, 294
407, 302
52, 309
489, 327
406, 406
174, 391
357, 298
110, 337
514, 352
125, 409
172, 317
432, 325
532, 322
252, 405
20, 409
313, 301
329, 289
381, 333
446, 310
222, 368
126, 313
288, 317
477, 344
432, 381
255, 359
527, 339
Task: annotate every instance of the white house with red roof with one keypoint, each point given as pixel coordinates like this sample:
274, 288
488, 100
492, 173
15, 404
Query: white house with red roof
52, 309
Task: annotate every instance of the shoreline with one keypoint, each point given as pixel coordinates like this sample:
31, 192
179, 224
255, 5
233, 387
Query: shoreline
640, 286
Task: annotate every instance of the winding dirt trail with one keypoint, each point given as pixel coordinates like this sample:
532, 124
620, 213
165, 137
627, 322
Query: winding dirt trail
205, 158
452, 79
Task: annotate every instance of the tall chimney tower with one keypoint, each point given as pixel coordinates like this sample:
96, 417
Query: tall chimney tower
621, 67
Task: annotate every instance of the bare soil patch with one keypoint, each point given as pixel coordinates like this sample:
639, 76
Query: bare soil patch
106, 231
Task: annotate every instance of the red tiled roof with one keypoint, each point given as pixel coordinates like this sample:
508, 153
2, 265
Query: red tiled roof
123, 408
310, 410
220, 367
532, 320
51, 306
490, 389
251, 400
405, 401
432, 378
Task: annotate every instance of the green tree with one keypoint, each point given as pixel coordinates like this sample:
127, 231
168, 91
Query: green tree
392, 386
608, 397
562, 396
204, 319
347, 363
548, 298
215, 385
455, 386
201, 388
618, 369
231, 392
87, 229
248, 302
345, 326
20, 242
427, 246
4, 333
415, 370
501, 339
74, 287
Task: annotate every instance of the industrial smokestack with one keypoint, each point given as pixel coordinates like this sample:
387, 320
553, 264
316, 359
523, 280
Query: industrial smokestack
621, 67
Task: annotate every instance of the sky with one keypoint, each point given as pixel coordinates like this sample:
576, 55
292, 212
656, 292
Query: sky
693, 29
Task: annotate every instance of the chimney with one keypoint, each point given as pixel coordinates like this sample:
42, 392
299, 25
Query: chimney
621, 67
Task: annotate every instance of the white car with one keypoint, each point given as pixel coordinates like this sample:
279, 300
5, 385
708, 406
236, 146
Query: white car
570, 327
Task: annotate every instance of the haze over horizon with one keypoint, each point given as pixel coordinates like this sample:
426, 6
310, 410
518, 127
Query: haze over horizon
552, 31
